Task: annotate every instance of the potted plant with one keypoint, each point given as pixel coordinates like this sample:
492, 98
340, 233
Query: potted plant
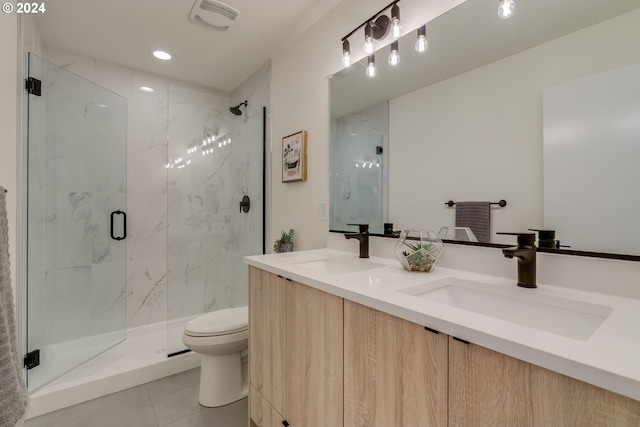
285, 242
419, 250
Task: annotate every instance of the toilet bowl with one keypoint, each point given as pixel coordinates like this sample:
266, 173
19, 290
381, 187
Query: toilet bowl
221, 337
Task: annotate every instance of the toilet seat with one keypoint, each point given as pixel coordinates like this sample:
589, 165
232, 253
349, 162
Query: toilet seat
217, 323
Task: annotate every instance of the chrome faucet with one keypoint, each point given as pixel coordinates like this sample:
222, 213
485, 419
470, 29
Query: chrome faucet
362, 237
525, 252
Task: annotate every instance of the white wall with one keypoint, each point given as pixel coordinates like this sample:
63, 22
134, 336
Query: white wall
300, 101
9, 125
481, 131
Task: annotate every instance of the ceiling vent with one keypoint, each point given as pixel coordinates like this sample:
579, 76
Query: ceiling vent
214, 14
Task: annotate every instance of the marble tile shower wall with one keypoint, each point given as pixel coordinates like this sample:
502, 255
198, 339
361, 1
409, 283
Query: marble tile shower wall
359, 195
148, 247
199, 203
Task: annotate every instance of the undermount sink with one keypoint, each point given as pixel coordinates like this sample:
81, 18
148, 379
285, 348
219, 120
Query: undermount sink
338, 265
527, 307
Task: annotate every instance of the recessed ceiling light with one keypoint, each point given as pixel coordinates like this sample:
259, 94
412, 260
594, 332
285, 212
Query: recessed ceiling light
146, 89
161, 55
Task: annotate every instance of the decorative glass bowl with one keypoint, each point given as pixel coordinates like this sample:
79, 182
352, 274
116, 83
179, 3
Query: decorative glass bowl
419, 250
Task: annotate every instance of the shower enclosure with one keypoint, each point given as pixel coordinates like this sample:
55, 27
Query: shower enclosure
76, 260
215, 204
80, 275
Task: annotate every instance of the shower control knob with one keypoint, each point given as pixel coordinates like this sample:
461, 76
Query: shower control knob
245, 204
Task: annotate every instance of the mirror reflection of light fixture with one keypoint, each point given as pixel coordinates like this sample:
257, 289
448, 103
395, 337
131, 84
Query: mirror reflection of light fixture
506, 8
422, 44
371, 70
394, 57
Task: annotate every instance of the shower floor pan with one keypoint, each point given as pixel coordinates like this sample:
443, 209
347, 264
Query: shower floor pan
141, 358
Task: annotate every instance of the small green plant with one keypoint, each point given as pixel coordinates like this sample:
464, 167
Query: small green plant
420, 258
286, 239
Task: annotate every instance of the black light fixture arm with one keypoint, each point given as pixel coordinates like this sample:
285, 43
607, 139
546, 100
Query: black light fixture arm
393, 3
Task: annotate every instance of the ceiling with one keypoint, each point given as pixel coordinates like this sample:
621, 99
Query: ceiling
125, 32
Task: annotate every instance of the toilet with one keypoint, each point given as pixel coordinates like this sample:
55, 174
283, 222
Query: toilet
222, 338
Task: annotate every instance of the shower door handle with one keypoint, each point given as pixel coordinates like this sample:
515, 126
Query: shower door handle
124, 225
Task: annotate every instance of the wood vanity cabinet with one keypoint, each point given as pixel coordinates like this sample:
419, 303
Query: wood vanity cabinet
296, 353
262, 414
319, 360
487, 388
395, 371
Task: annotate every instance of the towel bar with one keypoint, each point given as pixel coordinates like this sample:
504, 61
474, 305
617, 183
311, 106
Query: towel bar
502, 203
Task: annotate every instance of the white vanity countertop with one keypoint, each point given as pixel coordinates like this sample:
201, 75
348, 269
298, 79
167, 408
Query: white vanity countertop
610, 358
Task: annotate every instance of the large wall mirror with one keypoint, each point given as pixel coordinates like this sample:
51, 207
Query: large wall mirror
470, 119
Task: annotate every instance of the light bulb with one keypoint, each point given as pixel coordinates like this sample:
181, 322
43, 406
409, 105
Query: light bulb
396, 29
369, 45
396, 26
506, 8
346, 59
371, 70
394, 57
346, 54
422, 44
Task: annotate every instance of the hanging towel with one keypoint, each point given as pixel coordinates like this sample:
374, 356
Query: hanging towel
476, 216
13, 393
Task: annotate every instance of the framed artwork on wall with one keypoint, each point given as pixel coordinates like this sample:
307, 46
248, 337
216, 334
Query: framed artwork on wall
294, 157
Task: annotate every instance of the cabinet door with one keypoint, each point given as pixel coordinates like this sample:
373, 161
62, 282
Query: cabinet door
487, 388
314, 357
267, 323
395, 372
262, 413
563, 401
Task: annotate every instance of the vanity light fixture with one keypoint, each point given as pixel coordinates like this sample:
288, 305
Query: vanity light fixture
396, 26
394, 57
375, 28
146, 89
371, 70
160, 54
346, 54
422, 44
506, 8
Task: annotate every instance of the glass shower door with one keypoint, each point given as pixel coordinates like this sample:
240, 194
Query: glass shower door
215, 159
76, 259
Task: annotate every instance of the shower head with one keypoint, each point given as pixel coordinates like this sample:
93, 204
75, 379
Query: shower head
236, 110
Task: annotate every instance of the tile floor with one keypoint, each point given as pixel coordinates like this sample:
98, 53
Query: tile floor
167, 402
